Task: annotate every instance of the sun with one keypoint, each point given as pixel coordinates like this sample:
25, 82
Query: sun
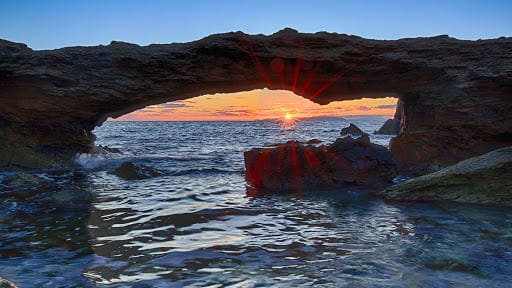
288, 122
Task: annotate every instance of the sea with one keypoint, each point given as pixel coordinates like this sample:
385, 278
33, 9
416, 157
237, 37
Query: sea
197, 226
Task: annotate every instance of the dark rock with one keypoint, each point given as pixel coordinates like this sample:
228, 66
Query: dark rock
454, 94
485, 179
296, 167
131, 171
313, 141
352, 130
390, 127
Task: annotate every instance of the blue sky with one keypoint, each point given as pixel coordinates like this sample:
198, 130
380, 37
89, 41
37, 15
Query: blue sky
55, 24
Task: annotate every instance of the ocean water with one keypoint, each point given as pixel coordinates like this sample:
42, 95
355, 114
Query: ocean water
195, 226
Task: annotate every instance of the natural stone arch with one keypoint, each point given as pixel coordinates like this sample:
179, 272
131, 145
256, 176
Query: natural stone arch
454, 94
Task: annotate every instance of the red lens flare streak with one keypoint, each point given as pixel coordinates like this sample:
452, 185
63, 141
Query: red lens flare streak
296, 167
279, 66
297, 68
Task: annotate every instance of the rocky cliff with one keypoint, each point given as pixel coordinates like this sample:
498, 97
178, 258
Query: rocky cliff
455, 96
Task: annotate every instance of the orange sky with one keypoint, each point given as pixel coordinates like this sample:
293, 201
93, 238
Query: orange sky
256, 105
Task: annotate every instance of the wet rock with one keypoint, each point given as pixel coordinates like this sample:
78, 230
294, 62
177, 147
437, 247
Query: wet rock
4, 283
352, 130
292, 166
485, 179
23, 185
70, 198
131, 171
390, 127
22, 179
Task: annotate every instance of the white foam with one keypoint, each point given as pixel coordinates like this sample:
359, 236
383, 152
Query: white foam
89, 161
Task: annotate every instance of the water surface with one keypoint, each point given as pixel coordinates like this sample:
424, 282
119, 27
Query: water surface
196, 227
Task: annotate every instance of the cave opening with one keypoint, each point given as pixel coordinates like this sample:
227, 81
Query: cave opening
196, 127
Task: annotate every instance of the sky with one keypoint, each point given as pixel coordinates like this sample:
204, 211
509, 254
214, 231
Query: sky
257, 105
57, 23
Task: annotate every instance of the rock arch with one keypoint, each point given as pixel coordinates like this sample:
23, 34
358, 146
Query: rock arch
455, 95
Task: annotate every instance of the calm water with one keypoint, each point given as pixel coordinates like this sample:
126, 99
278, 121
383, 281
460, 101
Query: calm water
196, 227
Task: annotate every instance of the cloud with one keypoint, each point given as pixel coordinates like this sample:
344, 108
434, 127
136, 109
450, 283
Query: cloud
172, 105
390, 106
363, 108
147, 110
233, 113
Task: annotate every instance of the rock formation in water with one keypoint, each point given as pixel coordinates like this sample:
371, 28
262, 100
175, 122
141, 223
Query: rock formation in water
293, 167
485, 179
352, 130
390, 127
131, 171
454, 94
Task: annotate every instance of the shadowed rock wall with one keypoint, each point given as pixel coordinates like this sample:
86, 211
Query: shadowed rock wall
455, 95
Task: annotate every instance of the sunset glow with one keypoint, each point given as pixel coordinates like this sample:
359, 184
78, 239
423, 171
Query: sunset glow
258, 105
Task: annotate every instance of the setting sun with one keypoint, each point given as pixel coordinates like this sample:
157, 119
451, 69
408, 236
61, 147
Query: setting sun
288, 116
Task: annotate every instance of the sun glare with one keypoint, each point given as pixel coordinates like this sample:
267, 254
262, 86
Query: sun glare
288, 122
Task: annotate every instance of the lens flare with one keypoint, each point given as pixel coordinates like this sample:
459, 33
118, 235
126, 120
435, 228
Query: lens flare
288, 122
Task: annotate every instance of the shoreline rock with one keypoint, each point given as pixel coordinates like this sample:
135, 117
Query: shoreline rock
485, 179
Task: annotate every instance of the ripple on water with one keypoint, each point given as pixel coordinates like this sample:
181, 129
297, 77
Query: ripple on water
195, 225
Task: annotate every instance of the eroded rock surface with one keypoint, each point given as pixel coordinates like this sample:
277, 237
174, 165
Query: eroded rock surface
486, 179
293, 167
454, 94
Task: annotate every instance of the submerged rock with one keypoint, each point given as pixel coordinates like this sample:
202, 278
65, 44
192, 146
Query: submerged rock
485, 179
131, 171
390, 127
296, 167
23, 180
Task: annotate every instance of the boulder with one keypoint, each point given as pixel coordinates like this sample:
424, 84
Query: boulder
131, 171
293, 167
352, 130
485, 179
390, 127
